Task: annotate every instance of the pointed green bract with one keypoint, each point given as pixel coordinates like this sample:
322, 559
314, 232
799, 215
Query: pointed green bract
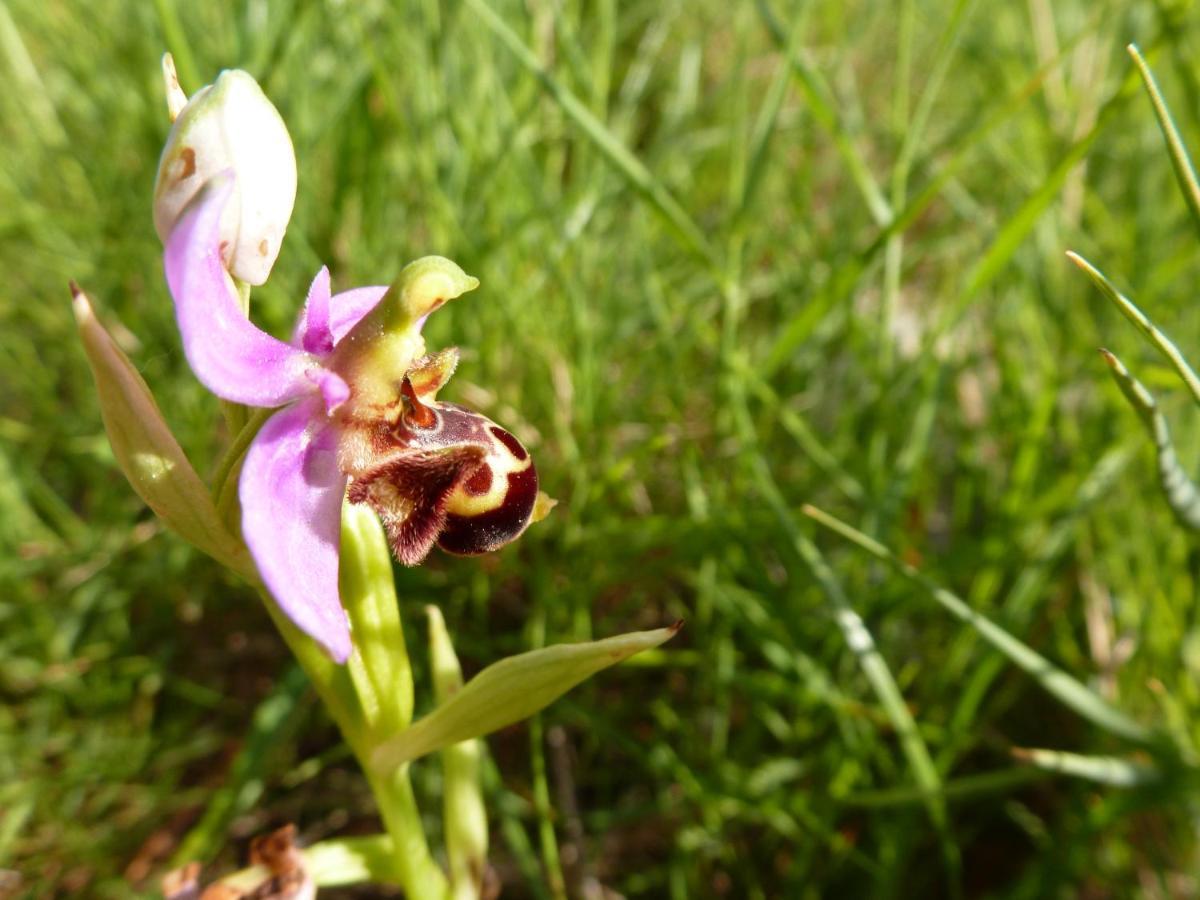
511, 690
1182, 494
147, 452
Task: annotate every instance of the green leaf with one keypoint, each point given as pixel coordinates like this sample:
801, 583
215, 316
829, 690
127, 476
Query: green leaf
147, 451
1070, 691
1130, 310
511, 690
1182, 494
1110, 770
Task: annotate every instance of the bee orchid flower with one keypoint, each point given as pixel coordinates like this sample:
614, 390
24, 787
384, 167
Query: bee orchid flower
358, 419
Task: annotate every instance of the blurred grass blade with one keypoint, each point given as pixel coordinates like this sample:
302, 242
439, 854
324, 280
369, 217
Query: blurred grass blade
802, 433
610, 146
874, 666
960, 151
1180, 161
969, 787
464, 818
511, 690
1017, 228
823, 109
765, 127
270, 729
1069, 690
1181, 492
1130, 310
147, 451
1110, 770
176, 38
938, 64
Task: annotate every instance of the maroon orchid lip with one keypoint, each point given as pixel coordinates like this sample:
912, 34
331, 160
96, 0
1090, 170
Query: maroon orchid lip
434, 472
443, 474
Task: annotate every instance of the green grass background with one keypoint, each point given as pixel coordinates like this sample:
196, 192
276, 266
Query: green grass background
734, 258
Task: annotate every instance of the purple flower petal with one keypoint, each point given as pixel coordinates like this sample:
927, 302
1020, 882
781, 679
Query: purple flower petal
291, 491
313, 328
349, 306
230, 356
334, 390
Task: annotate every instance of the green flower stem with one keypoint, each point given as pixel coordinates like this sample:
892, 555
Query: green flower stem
338, 688
420, 875
381, 679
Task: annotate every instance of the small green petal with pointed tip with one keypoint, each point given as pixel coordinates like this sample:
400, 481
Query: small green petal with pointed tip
147, 451
511, 690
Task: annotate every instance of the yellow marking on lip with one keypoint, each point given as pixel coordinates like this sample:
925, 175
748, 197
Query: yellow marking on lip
503, 464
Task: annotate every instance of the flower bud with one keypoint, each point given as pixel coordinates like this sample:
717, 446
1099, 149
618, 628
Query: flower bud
231, 125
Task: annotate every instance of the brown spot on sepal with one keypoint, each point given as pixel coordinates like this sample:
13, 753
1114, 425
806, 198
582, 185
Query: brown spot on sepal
409, 494
263, 247
187, 164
